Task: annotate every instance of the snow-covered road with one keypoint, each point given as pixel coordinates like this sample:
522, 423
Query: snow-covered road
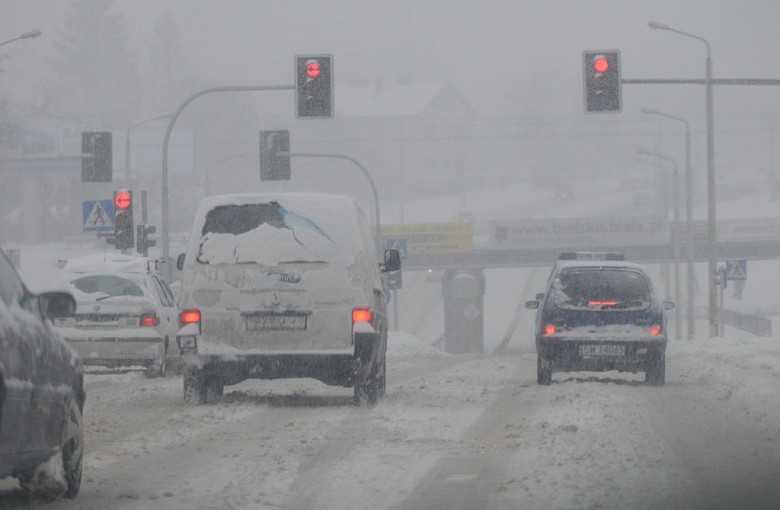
455, 431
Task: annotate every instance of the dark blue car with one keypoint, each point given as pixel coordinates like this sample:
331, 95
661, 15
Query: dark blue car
597, 316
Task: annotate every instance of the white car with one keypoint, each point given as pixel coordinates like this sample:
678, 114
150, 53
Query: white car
126, 314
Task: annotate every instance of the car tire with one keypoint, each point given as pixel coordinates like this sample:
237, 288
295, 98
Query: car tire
543, 371
73, 450
40, 483
159, 367
655, 375
195, 388
382, 380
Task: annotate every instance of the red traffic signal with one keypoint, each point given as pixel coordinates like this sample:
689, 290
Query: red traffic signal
122, 199
601, 65
312, 68
601, 77
314, 86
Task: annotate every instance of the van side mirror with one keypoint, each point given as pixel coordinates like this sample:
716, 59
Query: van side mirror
180, 262
392, 261
57, 304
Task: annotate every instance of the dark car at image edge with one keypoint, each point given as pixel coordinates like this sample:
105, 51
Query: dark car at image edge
41, 391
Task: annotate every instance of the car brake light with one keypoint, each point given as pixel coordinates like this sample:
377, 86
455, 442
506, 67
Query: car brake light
362, 315
189, 317
548, 329
655, 330
602, 303
150, 320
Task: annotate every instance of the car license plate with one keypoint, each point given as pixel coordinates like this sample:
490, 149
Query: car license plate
602, 350
276, 322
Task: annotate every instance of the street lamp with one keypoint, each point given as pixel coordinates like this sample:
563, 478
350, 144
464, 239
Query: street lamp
688, 218
712, 269
27, 35
676, 244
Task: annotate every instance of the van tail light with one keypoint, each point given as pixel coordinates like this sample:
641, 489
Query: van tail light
189, 317
362, 315
150, 320
656, 330
548, 330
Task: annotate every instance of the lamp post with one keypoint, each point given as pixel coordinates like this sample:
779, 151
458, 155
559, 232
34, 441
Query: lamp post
27, 35
688, 220
676, 241
712, 270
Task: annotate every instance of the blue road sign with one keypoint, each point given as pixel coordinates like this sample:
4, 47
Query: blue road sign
736, 270
97, 215
400, 244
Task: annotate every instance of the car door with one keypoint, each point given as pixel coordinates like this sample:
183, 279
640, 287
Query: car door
26, 399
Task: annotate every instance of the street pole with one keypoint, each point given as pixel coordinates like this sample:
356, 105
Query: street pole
690, 316
676, 241
714, 313
378, 239
168, 273
27, 35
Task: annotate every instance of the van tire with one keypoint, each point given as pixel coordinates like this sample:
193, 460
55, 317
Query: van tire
543, 371
195, 388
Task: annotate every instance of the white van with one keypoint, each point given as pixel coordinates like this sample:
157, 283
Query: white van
282, 286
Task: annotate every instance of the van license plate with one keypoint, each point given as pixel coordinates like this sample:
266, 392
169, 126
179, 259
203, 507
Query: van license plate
602, 350
276, 322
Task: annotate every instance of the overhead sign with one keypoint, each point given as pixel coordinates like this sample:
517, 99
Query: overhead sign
428, 238
577, 232
736, 270
97, 215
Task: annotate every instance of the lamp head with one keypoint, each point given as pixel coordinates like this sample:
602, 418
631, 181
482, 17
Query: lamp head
655, 25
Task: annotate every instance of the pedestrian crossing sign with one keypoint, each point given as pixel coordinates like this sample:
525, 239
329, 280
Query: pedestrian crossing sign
97, 215
736, 270
402, 245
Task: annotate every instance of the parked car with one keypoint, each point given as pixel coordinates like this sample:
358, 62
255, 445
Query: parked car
600, 315
127, 315
41, 390
282, 286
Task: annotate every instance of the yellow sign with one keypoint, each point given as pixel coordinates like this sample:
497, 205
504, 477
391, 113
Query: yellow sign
427, 238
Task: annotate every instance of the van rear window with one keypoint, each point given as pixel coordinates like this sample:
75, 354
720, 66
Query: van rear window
270, 234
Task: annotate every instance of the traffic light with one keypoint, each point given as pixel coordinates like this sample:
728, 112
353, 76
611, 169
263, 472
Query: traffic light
314, 86
142, 241
274, 166
123, 219
97, 167
602, 81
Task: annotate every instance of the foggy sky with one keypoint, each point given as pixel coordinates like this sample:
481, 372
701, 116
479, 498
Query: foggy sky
507, 58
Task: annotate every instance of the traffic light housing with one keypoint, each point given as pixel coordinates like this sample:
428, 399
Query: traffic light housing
97, 167
124, 237
273, 165
601, 73
142, 241
314, 86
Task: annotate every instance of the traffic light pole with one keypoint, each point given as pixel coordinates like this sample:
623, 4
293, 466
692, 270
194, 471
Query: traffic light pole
370, 181
168, 271
708, 81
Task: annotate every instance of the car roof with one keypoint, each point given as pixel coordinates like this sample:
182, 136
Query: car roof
110, 263
568, 264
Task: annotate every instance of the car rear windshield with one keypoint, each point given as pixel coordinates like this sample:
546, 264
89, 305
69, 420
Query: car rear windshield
107, 286
602, 288
273, 233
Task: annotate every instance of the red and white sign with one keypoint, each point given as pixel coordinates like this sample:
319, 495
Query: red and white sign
577, 232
